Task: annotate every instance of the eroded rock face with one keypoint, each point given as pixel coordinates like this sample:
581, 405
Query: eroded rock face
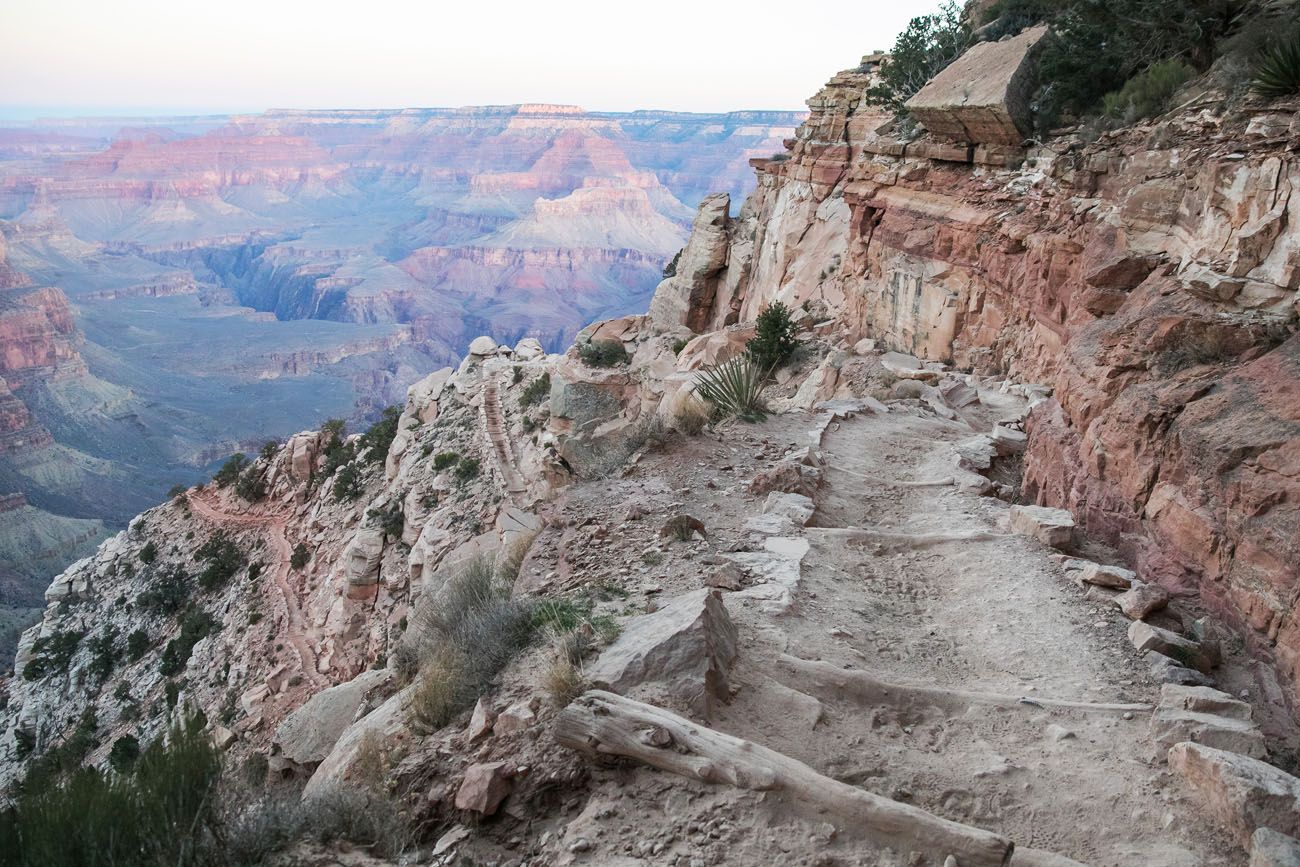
1150, 287
686, 298
685, 649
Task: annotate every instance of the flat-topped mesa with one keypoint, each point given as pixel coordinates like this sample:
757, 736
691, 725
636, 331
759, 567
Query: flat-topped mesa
984, 96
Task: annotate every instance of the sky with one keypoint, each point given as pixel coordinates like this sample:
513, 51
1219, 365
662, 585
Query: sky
61, 57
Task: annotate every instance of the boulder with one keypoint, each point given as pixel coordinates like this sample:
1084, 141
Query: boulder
1104, 576
518, 717
482, 346
1008, 441
1238, 792
422, 397
685, 648
528, 349
301, 449
788, 476
984, 96
387, 724
712, 349
307, 735
1269, 848
485, 786
1146, 637
1053, 527
1139, 603
686, 298
866, 346
976, 453
907, 366
361, 558
1167, 670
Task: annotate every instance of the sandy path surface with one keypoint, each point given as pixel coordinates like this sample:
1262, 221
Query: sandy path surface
989, 614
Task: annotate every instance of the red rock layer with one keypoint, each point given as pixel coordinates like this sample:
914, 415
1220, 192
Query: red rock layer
1150, 277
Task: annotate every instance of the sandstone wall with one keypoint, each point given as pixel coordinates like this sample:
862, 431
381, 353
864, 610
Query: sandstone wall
1150, 277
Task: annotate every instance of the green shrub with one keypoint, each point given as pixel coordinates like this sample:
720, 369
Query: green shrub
461, 640
168, 593
603, 353
176, 491
678, 345
1099, 45
390, 520
230, 470
670, 270
223, 558
270, 449
251, 485
467, 469
734, 388
136, 644
347, 483
196, 625
1148, 93
376, 441
300, 556
160, 811
52, 654
124, 753
516, 375
774, 338
103, 653
925, 48
442, 460
149, 552
1277, 73
536, 391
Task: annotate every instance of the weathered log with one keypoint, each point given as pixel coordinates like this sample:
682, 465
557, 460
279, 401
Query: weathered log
893, 540
831, 681
601, 723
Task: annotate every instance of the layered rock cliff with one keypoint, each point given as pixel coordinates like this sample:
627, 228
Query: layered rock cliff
1148, 277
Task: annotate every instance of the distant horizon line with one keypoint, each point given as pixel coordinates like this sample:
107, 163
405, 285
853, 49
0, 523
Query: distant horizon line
33, 115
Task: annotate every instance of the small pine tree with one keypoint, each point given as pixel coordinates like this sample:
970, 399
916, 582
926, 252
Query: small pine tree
774, 338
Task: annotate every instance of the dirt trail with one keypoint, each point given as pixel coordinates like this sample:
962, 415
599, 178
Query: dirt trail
494, 425
987, 613
273, 526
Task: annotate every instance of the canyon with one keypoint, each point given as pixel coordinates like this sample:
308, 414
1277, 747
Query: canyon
177, 289
1010, 541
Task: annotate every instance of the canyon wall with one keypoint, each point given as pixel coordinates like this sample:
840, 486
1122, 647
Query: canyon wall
1149, 277
172, 293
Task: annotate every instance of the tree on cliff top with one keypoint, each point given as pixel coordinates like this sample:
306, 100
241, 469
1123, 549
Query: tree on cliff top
922, 51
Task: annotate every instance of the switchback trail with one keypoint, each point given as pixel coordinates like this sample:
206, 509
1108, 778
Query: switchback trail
273, 527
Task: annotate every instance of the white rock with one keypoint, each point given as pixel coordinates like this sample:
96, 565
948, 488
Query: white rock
482, 346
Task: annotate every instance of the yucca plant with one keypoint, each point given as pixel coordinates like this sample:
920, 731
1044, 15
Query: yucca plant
734, 388
1278, 72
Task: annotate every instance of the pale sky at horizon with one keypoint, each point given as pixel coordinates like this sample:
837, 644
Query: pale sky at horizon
124, 56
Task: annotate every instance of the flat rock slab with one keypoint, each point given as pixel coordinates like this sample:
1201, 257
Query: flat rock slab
686, 646
1053, 527
1114, 577
1238, 792
1174, 726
